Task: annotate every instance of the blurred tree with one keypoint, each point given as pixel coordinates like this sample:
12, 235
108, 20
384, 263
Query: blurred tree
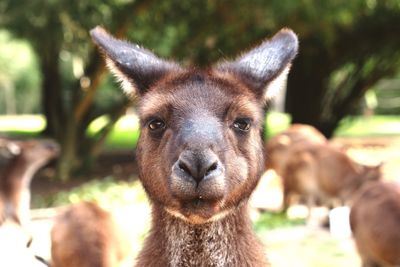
19, 77
71, 69
345, 48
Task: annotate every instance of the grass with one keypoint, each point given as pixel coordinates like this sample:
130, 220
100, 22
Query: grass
124, 135
22, 125
267, 221
305, 247
107, 191
378, 125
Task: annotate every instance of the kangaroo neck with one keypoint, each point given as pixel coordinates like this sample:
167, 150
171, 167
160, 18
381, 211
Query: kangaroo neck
229, 241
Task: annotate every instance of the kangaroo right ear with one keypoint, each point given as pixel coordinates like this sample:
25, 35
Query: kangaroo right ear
265, 67
136, 67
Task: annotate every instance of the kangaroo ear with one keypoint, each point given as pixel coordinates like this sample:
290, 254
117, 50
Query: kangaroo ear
11, 149
135, 67
264, 68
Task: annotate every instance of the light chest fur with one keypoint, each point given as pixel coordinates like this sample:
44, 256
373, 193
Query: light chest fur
225, 242
204, 245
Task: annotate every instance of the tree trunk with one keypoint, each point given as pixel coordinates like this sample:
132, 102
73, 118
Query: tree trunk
68, 159
52, 101
305, 93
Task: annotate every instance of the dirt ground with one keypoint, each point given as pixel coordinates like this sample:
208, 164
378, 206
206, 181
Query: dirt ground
268, 196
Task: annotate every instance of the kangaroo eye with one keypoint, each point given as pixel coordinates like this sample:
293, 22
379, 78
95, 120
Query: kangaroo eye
156, 125
242, 124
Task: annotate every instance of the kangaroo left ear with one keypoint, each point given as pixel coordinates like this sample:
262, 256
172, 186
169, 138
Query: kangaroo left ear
137, 68
264, 68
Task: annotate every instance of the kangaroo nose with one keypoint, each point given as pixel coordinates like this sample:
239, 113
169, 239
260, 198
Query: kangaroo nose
199, 166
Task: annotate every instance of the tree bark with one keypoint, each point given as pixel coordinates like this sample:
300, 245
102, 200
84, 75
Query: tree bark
305, 90
52, 101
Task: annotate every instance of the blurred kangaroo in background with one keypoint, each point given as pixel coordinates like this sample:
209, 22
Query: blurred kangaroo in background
375, 222
280, 146
26, 158
85, 235
323, 172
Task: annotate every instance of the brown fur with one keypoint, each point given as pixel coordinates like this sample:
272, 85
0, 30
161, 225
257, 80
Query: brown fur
85, 235
280, 146
375, 222
324, 172
200, 152
172, 242
27, 158
245, 160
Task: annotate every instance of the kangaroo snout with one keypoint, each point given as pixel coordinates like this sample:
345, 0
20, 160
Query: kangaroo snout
198, 166
198, 175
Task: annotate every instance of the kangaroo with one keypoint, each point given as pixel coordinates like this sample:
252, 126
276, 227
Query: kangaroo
200, 153
26, 158
85, 235
280, 146
375, 222
326, 173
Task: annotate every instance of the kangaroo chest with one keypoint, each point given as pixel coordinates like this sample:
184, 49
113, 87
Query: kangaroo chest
208, 245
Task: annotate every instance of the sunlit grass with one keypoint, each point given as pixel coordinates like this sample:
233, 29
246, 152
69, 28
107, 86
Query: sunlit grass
124, 134
107, 191
22, 123
305, 247
269, 220
378, 125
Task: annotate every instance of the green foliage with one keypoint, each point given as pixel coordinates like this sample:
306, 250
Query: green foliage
107, 192
346, 49
19, 77
275, 123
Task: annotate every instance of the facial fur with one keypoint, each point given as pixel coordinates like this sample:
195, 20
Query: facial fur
184, 100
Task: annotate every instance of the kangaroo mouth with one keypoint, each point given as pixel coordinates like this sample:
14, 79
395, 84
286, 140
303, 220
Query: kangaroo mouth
199, 210
197, 202
200, 206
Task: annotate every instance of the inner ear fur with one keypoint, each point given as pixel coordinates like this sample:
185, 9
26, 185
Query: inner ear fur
135, 67
265, 67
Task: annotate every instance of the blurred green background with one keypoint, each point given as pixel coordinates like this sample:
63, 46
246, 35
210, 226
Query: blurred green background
348, 65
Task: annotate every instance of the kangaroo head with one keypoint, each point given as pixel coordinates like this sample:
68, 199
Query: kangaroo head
200, 150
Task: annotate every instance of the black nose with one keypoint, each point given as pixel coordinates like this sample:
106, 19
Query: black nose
198, 166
